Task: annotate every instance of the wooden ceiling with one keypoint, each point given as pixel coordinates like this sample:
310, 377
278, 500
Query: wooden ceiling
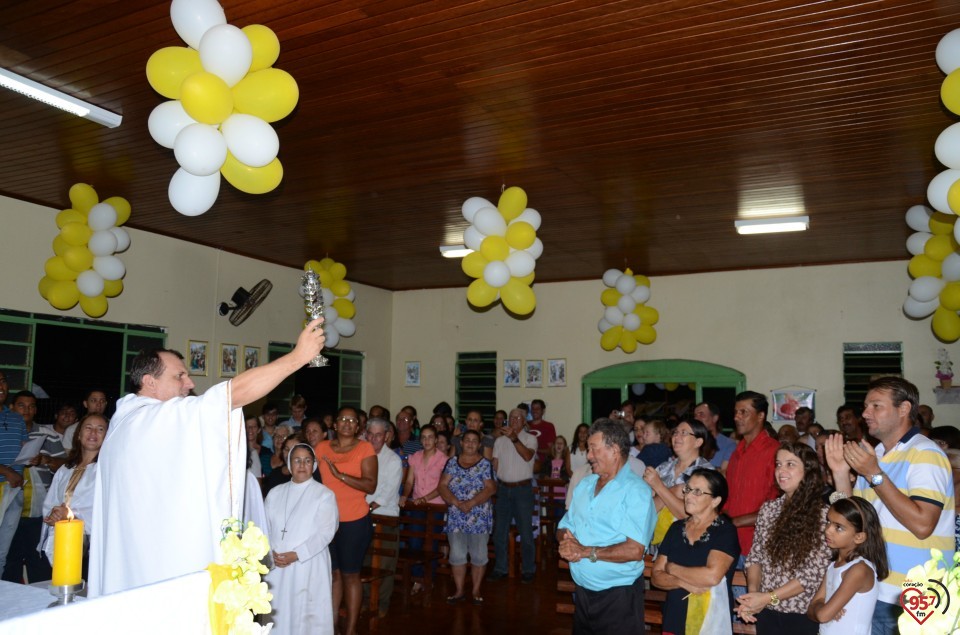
639, 129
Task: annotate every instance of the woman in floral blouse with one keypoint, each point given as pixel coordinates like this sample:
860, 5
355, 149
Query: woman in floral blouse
789, 554
466, 486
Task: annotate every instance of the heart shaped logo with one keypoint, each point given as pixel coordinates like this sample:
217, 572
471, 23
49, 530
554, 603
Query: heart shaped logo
917, 605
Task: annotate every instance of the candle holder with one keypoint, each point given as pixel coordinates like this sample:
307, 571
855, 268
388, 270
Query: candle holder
312, 294
65, 594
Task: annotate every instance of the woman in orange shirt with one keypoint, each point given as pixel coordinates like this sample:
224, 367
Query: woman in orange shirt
348, 466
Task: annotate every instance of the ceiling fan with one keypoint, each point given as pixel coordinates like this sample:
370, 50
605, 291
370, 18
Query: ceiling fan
245, 302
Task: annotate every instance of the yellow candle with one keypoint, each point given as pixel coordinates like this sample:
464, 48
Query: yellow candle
67, 552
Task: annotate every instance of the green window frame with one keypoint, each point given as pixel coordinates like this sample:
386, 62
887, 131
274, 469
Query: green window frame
865, 361
349, 380
476, 384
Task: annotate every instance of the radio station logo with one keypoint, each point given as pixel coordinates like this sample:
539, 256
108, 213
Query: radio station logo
921, 599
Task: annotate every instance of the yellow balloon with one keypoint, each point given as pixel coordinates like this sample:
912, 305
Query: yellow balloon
481, 294
340, 287
63, 294
266, 46
206, 98
94, 307
60, 246
611, 338
44, 286
122, 206
646, 334
338, 270
648, 315
642, 281
70, 216
312, 265
512, 203
671, 386
270, 94
946, 325
520, 235
950, 93
327, 263
83, 197
58, 270
628, 341
517, 297
950, 296
78, 258
345, 308
473, 264
692, 386
169, 66
941, 223
325, 278
252, 180
610, 297
112, 288
939, 247
495, 248
527, 279
76, 233
923, 265
953, 197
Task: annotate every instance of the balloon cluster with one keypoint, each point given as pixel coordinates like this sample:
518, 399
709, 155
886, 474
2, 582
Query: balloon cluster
84, 268
224, 93
627, 320
505, 247
935, 245
338, 299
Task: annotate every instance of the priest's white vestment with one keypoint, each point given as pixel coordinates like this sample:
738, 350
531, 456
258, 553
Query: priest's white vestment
302, 592
163, 488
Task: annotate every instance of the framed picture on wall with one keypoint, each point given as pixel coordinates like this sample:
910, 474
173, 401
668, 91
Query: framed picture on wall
533, 373
557, 372
251, 357
228, 359
787, 400
412, 374
511, 373
197, 363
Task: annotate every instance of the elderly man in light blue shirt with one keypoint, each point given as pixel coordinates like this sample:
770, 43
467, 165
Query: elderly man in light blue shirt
605, 534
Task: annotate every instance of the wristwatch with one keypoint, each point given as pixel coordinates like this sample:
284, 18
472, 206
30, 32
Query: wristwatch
593, 554
877, 479
774, 598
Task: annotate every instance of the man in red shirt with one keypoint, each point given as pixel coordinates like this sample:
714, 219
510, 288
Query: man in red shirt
545, 431
750, 472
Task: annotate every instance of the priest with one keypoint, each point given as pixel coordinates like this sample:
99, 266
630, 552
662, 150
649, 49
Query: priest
172, 468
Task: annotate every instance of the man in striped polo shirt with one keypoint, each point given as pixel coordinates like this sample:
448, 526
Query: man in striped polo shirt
907, 479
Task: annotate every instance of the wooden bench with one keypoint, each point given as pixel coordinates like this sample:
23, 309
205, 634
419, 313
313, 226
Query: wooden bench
383, 548
653, 598
434, 549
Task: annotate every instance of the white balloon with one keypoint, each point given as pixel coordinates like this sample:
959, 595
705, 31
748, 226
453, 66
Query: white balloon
102, 243
472, 238
603, 325
332, 335
193, 195
226, 52
110, 267
631, 321
639, 389
192, 18
490, 222
90, 283
926, 288
917, 310
947, 146
166, 121
250, 139
917, 241
529, 215
641, 293
330, 315
950, 267
626, 284
660, 386
610, 277
123, 238
536, 249
938, 188
351, 295
473, 205
918, 218
613, 315
496, 273
520, 264
328, 296
948, 52
346, 327
626, 304
102, 216
200, 149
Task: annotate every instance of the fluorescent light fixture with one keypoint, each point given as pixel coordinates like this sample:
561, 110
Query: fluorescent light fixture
57, 99
454, 251
772, 225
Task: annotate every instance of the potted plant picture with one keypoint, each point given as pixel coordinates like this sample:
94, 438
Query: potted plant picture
944, 368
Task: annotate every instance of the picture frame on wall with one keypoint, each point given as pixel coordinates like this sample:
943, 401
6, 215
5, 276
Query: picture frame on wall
251, 357
511, 373
197, 358
785, 402
533, 373
229, 356
412, 374
557, 372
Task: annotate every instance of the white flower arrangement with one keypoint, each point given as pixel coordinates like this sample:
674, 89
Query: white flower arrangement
943, 364
237, 592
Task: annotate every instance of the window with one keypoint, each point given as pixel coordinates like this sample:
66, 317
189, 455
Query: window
864, 362
325, 388
476, 384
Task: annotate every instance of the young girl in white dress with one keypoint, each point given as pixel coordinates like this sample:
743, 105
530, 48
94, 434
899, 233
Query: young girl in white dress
846, 598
